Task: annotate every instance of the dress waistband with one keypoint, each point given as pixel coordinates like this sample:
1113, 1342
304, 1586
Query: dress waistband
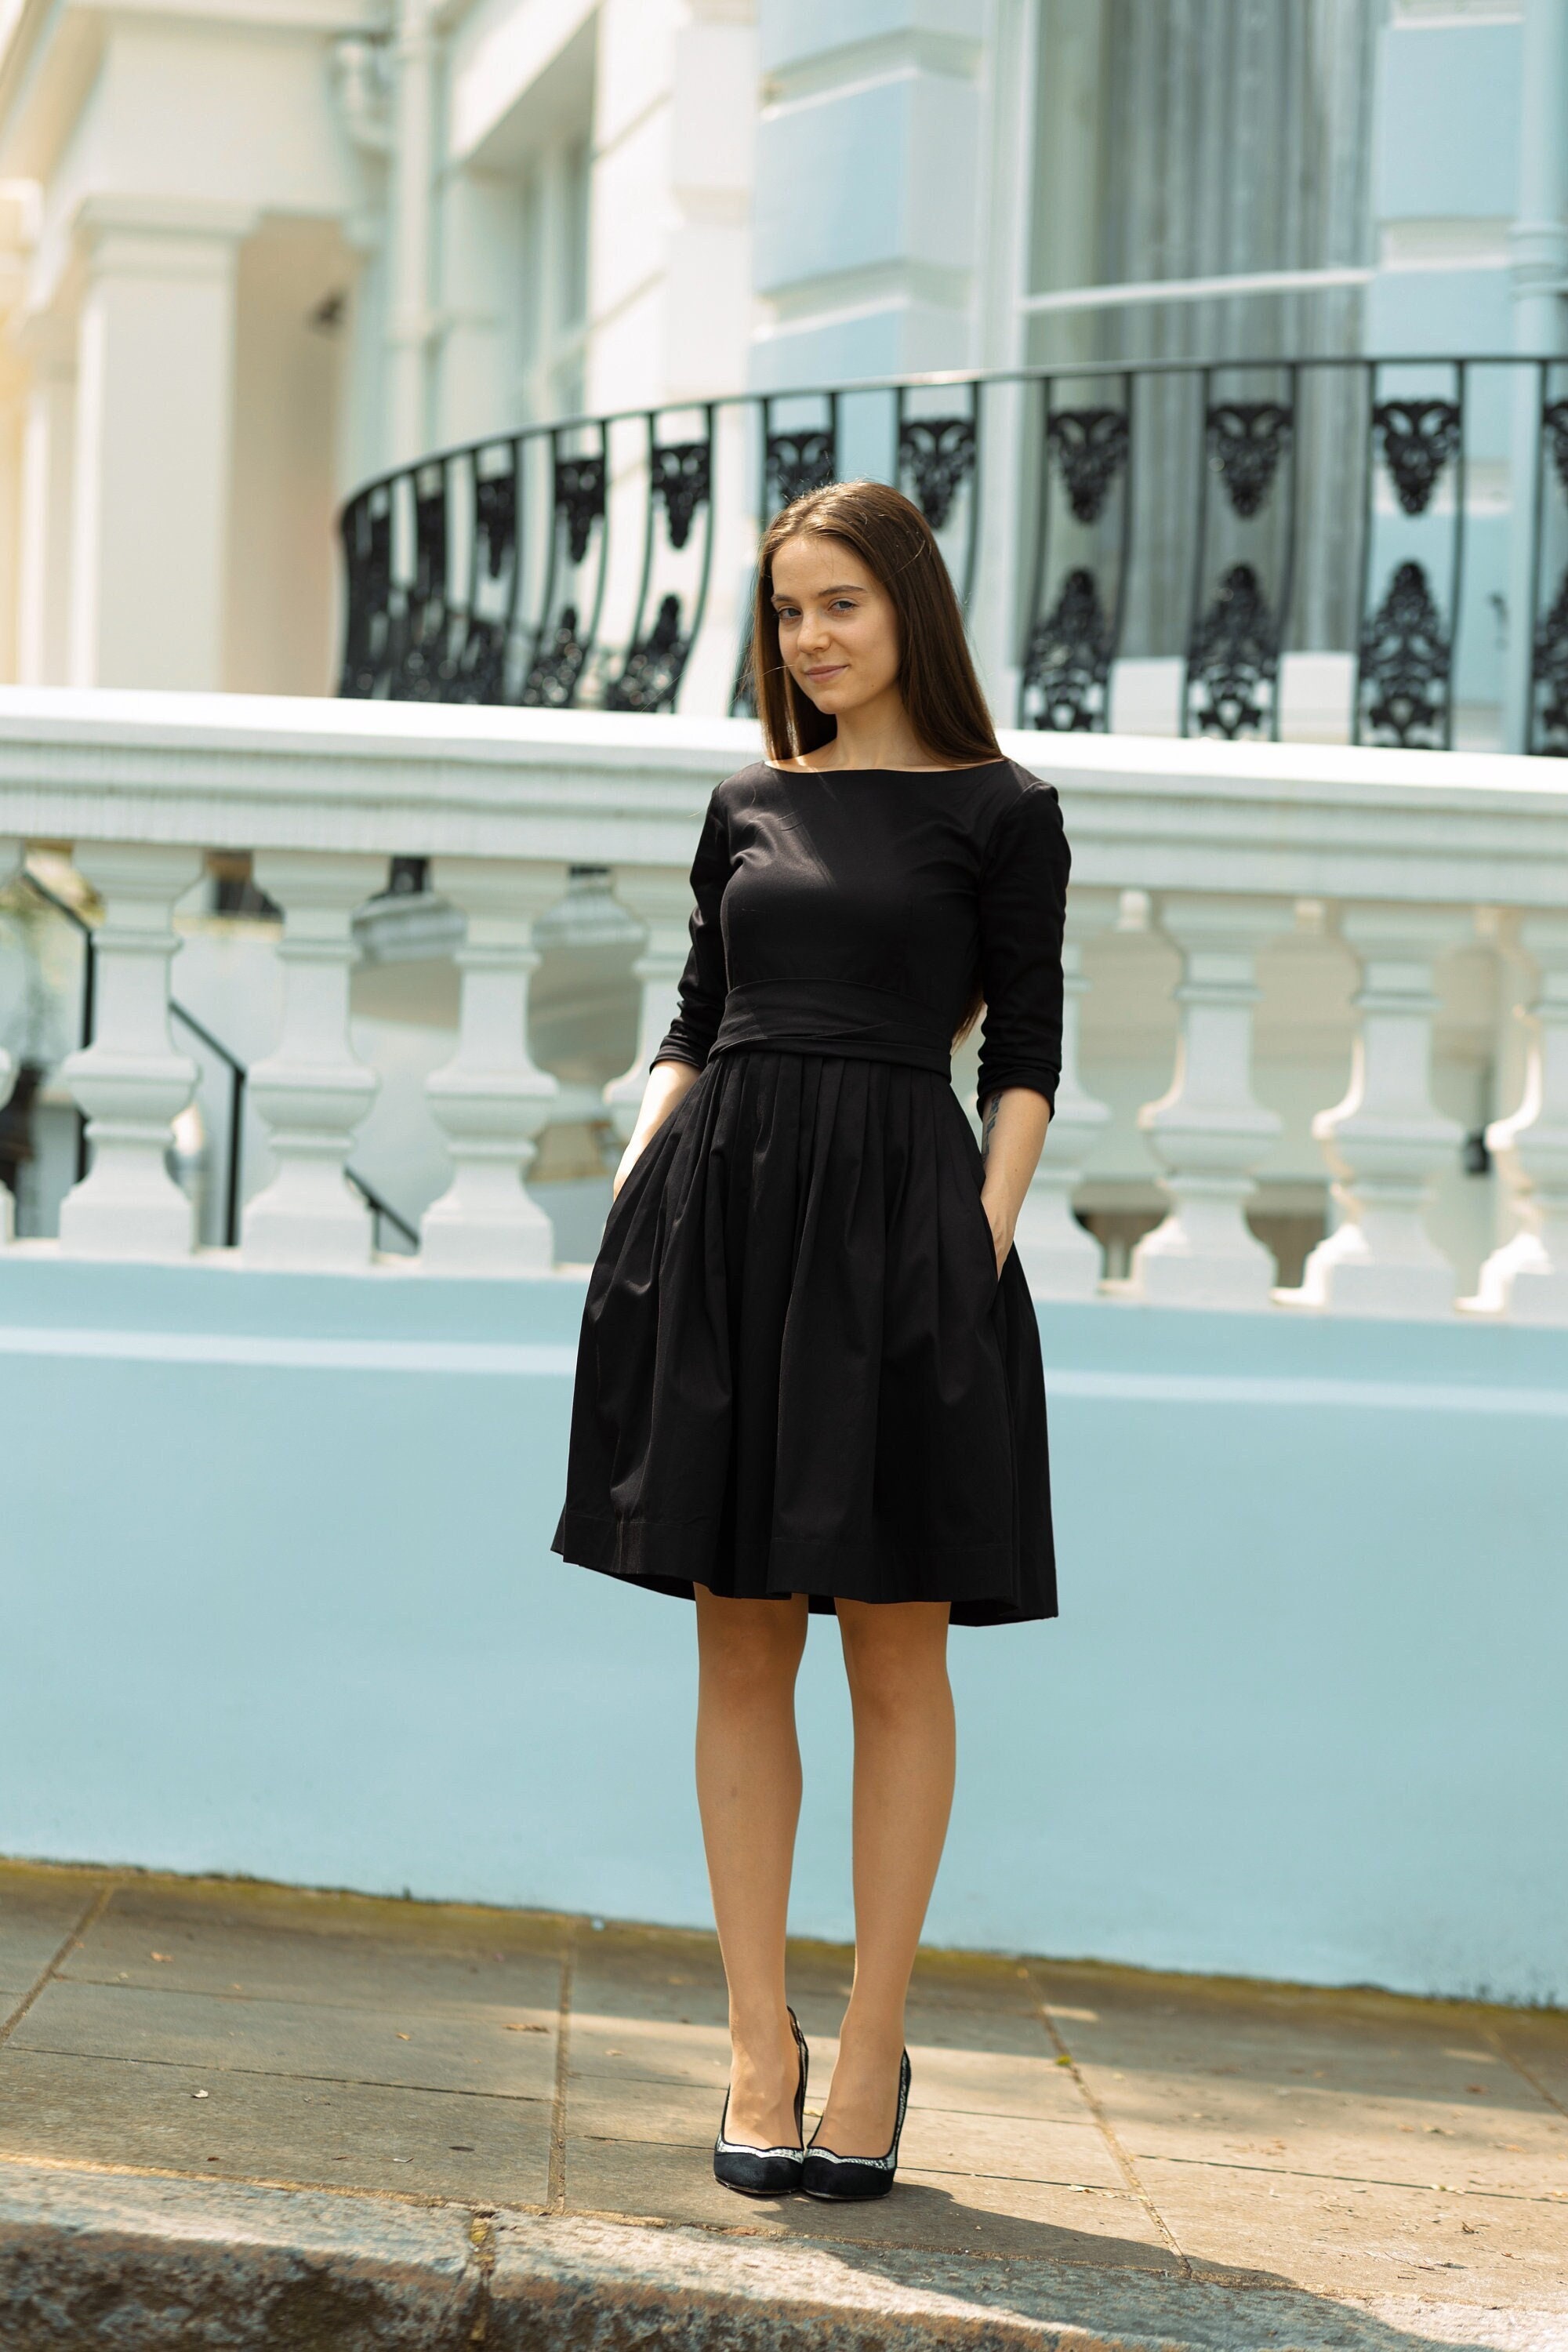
832, 1016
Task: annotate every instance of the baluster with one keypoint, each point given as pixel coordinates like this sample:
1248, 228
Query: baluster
1209, 1132
490, 1100
660, 898
10, 856
130, 1081
1060, 1259
1385, 1143
1527, 1279
312, 1090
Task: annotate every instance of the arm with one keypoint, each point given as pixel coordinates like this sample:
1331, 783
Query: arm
689, 1040
1012, 1135
1023, 902
667, 1083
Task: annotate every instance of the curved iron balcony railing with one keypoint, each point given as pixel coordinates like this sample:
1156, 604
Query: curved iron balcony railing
1330, 546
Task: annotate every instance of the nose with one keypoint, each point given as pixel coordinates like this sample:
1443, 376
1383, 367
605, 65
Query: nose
813, 631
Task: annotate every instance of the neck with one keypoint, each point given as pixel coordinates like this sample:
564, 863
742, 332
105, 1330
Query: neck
877, 735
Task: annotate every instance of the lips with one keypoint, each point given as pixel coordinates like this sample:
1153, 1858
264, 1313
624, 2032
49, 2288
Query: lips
820, 677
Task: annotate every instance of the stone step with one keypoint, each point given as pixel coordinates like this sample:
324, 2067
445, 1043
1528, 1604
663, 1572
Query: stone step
90, 2258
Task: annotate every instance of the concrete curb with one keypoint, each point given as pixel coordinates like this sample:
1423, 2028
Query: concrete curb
130, 2264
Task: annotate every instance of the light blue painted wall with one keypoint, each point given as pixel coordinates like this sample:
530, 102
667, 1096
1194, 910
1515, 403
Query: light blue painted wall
789, 31
1446, 145
297, 1616
831, 181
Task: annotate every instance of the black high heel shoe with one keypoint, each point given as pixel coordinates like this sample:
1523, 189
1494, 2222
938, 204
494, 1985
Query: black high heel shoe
766, 2171
842, 2179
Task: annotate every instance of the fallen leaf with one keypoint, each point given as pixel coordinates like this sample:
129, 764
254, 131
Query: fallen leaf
405, 2037
461, 2147
1064, 2062
527, 2028
160, 1955
201, 2094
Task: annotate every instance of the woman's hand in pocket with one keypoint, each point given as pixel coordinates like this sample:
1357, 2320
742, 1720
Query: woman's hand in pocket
669, 1084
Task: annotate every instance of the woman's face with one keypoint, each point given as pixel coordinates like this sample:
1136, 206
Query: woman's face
839, 632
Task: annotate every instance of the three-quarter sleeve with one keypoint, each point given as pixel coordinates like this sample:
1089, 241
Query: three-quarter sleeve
704, 984
1023, 906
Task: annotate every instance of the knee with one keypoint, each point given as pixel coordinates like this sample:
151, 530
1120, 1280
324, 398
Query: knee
894, 1672
750, 1657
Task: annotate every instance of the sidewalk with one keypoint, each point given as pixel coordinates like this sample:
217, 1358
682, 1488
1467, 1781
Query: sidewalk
235, 2114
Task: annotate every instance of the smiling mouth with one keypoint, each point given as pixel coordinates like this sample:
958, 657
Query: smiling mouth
833, 669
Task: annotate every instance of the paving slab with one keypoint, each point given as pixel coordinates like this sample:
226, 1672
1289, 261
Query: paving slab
227, 2110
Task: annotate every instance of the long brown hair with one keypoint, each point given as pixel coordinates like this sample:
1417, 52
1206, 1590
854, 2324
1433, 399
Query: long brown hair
936, 675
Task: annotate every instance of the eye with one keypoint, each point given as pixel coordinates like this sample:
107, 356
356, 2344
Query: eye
844, 604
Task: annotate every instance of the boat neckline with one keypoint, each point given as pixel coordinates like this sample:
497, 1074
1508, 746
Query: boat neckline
972, 768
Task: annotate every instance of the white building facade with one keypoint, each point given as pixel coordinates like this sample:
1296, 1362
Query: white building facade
261, 251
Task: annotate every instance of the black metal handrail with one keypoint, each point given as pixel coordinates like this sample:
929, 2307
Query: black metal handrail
238, 1075
1218, 516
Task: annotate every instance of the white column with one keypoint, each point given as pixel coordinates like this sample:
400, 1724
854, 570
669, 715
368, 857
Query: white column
1209, 1132
410, 318
312, 1089
10, 854
490, 1101
1538, 267
130, 1081
48, 461
1060, 1259
1387, 1142
154, 438
660, 898
1527, 1279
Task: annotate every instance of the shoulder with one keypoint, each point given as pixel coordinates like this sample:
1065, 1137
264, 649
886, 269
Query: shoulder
1011, 804
745, 786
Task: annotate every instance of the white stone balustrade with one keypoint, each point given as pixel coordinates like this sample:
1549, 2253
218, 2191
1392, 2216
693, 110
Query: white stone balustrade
1527, 1279
1209, 1133
490, 1101
1223, 839
312, 1089
1385, 1143
662, 902
1060, 1259
131, 1082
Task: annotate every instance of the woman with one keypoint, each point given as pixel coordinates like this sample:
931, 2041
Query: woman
809, 1376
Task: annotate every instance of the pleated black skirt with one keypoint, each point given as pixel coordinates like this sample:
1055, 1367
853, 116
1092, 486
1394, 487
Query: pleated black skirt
798, 1372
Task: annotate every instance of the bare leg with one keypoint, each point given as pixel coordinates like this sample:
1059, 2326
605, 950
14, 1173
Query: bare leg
895, 1654
748, 1789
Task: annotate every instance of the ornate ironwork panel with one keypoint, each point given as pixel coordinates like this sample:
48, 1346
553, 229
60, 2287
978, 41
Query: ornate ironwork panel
682, 477
579, 499
1233, 662
1549, 677
1418, 437
651, 678
1089, 446
1554, 424
1068, 660
1247, 439
424, 670
495, 520
556, 670
796, 462
1405, 664
937, 455
367, 553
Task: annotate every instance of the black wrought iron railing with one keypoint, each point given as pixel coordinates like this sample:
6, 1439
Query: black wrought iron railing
381, 1209
1373, 550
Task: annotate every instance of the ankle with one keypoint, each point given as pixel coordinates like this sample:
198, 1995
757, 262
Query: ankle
874, 2036
760, 2035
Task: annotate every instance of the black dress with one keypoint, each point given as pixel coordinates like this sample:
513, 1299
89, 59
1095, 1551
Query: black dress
799, 1370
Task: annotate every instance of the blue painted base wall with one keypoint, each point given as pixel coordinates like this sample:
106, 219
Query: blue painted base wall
276, 1597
